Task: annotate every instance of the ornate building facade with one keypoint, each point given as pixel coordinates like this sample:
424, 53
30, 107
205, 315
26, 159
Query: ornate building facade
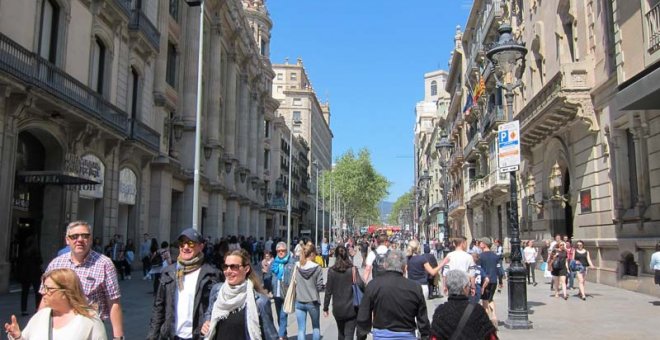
97, 119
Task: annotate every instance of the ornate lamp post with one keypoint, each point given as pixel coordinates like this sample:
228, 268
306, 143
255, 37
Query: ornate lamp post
424, 182
507, 56
443, 147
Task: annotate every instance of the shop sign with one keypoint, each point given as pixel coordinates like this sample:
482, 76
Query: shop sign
127, 186
90, 167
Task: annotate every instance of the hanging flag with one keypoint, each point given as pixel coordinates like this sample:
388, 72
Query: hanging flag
480, 89
468, 104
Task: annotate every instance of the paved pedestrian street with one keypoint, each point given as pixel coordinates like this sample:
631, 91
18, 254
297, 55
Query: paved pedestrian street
608, 313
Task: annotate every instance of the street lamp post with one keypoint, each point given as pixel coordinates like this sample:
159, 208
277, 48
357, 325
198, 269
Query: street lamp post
198, 115
316, 205
443, 147
507, 55
288, 205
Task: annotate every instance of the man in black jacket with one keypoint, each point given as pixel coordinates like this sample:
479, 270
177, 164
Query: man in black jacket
183, 294
394, 302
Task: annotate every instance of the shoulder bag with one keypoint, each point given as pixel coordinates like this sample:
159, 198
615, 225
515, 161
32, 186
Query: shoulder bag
461, 324
357, 292
290, 299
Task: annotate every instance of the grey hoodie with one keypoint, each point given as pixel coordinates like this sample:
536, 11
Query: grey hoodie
309, 281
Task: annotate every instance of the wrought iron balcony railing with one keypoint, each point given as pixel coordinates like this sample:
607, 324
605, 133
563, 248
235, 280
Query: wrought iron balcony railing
143, 133
653, 29
34, 70
139, 21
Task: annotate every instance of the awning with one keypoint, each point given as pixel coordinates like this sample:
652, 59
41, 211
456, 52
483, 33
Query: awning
53, 177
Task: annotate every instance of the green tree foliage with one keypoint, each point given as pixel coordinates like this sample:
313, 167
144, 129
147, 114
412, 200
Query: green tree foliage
402, 203
358, 184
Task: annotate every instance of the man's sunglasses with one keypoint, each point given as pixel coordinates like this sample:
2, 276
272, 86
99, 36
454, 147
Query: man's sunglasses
74, 237
189, 243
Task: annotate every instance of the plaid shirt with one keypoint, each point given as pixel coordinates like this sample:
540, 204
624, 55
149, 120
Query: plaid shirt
98, 277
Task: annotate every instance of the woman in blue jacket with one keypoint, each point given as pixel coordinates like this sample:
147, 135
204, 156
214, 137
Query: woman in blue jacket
239, 308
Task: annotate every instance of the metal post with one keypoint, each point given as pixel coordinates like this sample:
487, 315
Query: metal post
316, 206
288, 205
518, 313
330, 214
198, 120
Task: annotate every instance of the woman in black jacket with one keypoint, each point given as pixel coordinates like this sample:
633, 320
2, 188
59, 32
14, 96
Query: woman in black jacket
339, 289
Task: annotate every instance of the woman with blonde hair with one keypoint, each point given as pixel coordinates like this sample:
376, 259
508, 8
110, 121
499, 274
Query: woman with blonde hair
67, 314
309, 281
419, 269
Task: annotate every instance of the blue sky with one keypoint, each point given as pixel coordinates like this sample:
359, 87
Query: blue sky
368, 58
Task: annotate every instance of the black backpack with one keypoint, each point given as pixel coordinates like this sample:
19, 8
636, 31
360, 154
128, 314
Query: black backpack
377, 268
157, 260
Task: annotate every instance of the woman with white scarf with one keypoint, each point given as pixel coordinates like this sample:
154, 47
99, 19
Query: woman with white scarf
238, 308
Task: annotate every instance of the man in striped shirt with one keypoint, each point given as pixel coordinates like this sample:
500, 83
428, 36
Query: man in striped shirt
96, 272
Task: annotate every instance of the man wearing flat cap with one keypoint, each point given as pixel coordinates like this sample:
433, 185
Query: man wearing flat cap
183, 293
489, 262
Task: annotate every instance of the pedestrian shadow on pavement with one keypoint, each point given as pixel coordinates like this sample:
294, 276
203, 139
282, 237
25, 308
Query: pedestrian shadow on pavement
655, 303
532, 304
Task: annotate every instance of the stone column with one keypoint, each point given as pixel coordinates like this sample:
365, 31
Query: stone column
254, 220
617, 138
230, 120
160, 203
244, 219
253, 141
231, 227
262, 224
189, 108
243, 121
213, 111
641, 163
216, 204
259, 145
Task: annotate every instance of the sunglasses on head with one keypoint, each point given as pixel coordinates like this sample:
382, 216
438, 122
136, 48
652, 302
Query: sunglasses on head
74, 237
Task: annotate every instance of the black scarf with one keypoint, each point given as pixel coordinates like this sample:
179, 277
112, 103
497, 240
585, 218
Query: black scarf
447, 316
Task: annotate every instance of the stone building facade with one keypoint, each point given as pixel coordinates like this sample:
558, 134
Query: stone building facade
97, 119
588, 124
300, 106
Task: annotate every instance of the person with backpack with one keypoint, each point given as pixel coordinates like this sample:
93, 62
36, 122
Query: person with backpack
376, 258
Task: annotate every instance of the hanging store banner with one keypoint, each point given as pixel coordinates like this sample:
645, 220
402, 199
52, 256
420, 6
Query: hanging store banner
92, 168
127, 186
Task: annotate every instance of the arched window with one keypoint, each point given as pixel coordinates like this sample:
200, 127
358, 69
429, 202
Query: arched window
434, 88
50, 13
98, 65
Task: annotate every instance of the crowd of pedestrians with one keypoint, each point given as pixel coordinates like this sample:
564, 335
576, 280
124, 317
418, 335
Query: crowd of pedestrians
224, 289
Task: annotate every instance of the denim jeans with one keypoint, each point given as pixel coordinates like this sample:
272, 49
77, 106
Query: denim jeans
302, 308
282, 317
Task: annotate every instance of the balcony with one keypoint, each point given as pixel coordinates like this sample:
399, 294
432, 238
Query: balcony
496, 183
456, 207
125, 6
492, 120
456, 159
35, 71
557, 104
475, 145
146, 135
141, 23
652, 30
476, 190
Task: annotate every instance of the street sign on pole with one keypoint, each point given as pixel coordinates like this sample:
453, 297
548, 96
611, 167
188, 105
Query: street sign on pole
508, 142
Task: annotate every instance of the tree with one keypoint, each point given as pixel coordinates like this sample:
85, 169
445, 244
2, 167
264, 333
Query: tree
402, 204
359, 186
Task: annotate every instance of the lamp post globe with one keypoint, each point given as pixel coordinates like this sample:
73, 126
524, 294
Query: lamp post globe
507, 56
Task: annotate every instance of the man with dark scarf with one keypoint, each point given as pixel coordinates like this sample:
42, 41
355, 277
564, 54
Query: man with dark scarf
447, 316
183, 293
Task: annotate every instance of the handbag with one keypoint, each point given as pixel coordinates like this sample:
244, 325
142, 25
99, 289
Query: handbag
357, 292
290, 299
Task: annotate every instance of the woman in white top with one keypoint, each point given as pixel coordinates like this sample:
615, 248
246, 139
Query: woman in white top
67, 315
530, 254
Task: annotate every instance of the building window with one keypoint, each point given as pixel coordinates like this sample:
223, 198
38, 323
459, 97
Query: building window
264, 47
632, 169
266, 159
279, 89
50, 14
294, 76
98, 65
174, 9
434, 88
133, 90
297, 102
297, 116
170, 75
266, 128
